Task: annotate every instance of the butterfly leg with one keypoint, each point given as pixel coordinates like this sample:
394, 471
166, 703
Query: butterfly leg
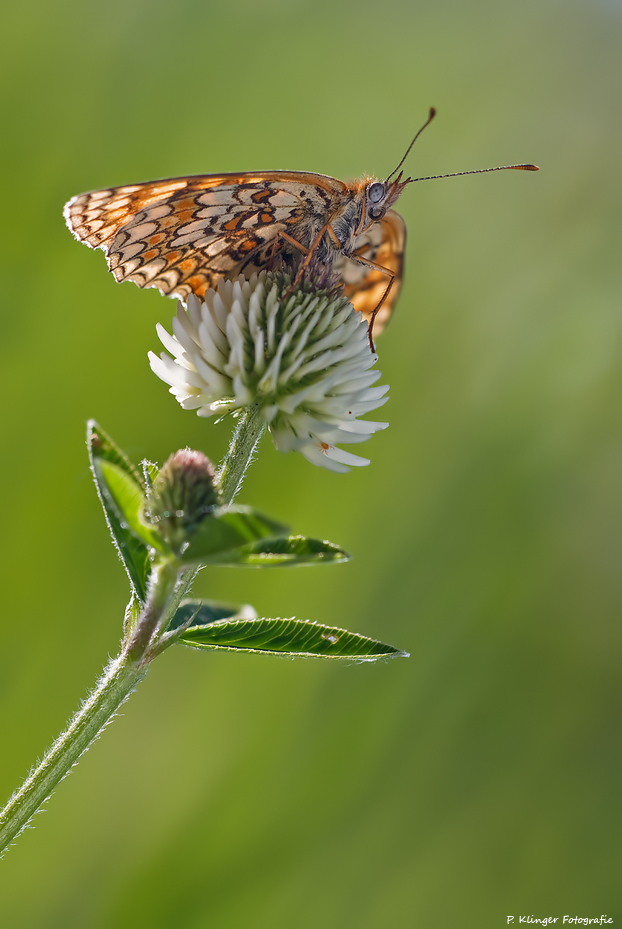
309, 252
292, 241
375, 267
275, 246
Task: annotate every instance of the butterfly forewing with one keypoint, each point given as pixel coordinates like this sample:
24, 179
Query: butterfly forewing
182, 235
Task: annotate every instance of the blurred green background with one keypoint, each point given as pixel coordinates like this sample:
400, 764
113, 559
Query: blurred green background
479, 778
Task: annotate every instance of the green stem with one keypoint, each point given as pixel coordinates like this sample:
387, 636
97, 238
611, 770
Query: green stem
126, 671
244, 441
154, 614
233, 468
114, 687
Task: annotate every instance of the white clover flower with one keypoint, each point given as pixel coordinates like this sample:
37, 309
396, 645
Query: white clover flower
304, 359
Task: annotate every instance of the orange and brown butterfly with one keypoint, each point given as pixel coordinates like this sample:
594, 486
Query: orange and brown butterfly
182, 235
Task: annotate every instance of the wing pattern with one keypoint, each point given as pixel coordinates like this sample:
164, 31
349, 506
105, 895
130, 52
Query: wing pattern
182, 235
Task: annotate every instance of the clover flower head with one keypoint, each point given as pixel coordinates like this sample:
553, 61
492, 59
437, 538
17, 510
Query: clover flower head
302, 356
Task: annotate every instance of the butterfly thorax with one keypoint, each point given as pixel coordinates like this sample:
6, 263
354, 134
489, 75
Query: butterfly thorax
344, 214
347, 223
341, 212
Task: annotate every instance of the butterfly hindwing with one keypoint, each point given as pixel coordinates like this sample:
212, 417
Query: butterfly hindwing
384, 244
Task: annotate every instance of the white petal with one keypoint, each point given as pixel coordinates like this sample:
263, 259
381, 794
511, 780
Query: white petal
210, 352
243, 394
193, 309
238, 313
182, 335
173, 373
158, 367
365, 380
347, 458
169, 342
260, 338
361, 426
359, 409
216, 383
188, 402
220, 310
318, 457
212, 330
284, 439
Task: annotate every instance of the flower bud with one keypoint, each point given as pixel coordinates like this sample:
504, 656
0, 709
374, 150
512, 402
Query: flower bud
184, 493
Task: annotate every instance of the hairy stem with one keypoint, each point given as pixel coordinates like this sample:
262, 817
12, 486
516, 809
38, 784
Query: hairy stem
244, 441
125, 672
114, 687
154, 614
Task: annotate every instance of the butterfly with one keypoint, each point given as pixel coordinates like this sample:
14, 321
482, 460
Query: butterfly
182, 235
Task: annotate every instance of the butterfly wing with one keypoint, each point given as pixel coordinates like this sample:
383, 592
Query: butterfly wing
182, 235
383, 243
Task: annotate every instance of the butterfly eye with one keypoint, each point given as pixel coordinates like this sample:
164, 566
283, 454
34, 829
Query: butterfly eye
376, 192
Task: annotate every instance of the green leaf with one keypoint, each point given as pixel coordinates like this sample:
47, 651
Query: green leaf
133, 552
100, 445
150, 472
127, 497
227, 529
204, 612
293, 551
289, 637
132, 613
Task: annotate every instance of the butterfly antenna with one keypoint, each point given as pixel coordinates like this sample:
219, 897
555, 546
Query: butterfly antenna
426, 123
435, 177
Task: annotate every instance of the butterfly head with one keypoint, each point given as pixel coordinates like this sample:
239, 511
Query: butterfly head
379, 197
